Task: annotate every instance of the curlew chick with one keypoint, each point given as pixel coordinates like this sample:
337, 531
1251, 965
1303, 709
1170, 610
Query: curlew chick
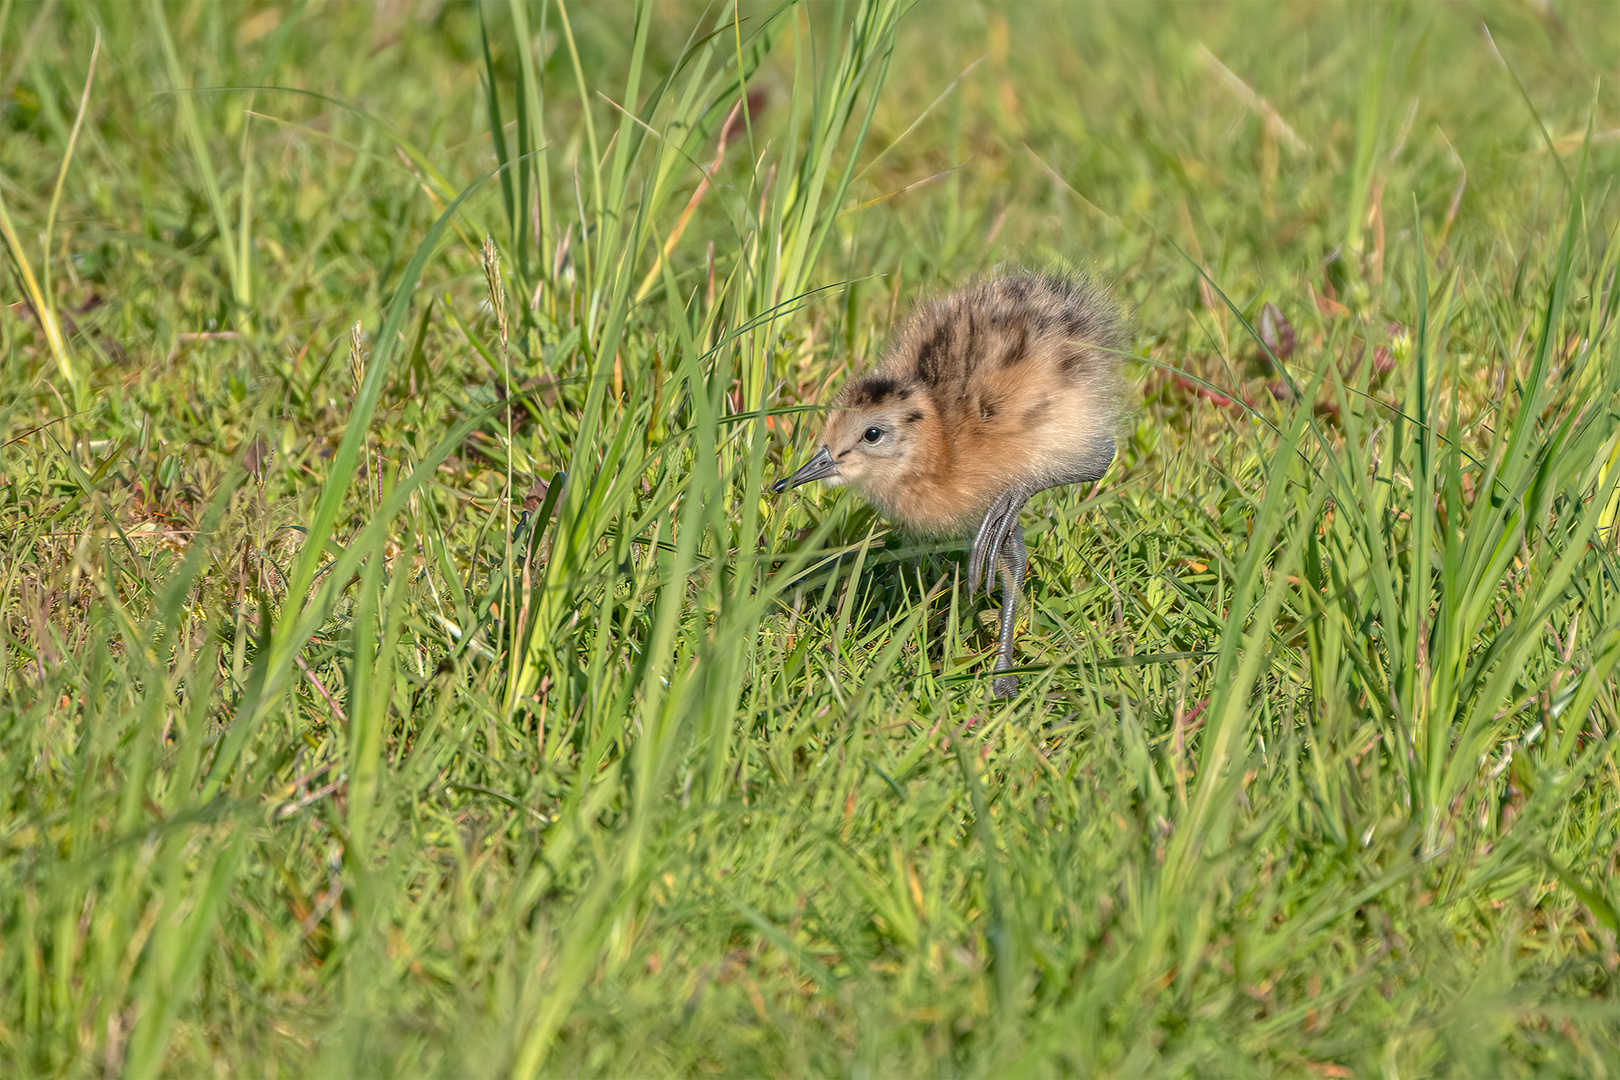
986, 396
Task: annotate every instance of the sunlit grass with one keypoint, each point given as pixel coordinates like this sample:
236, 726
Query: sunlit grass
407, 673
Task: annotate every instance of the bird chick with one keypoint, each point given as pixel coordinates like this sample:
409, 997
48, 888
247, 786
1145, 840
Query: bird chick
987, 396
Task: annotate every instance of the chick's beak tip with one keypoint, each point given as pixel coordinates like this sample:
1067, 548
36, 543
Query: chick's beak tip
819, 467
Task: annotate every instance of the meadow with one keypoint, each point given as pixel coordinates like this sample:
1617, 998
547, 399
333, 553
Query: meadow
405, 671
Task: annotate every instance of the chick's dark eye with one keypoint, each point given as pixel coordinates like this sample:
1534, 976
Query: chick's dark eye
873, 434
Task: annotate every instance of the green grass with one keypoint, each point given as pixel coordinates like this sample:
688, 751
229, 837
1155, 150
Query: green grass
340, 735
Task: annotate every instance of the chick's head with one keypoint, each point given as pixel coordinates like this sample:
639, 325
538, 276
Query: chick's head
876, 438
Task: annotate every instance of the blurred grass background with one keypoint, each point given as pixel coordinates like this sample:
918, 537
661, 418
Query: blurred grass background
339, 735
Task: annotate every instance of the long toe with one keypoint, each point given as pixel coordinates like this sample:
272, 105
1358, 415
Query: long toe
982, 557
998, 541
987, 550
1004, 686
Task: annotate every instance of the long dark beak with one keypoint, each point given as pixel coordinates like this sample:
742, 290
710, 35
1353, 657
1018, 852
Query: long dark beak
817, 468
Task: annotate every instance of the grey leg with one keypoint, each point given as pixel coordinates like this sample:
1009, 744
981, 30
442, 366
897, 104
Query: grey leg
1002, 517
1014, 561
999, 540
1000, 544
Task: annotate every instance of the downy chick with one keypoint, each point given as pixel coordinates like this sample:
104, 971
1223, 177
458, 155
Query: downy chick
987, 396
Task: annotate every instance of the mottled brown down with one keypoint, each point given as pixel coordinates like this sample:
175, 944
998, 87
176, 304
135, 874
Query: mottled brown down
985, 397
